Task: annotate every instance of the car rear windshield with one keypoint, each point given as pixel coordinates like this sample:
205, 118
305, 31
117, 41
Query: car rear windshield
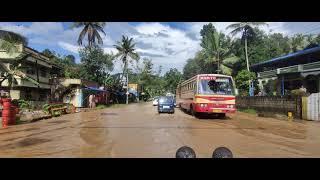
165, 100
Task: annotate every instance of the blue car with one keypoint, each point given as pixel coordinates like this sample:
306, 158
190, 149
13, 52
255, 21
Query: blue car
166, 104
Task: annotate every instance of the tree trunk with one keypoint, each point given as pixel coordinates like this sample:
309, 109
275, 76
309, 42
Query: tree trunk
246, 49
127, 80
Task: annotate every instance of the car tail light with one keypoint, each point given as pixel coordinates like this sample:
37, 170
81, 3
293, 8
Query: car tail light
203, 105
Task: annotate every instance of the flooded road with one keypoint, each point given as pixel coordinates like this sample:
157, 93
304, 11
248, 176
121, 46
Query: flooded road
137, 130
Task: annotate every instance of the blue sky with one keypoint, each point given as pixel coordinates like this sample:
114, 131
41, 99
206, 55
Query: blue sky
167, 44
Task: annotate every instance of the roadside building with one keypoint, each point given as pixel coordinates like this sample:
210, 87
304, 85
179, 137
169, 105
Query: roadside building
77, 92
36, 66
286, 74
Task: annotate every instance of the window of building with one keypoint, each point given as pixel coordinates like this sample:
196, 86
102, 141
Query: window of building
43, 72
31, 71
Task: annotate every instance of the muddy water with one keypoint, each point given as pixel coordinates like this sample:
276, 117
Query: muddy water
137, 130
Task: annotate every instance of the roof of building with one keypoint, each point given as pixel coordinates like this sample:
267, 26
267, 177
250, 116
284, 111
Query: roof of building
301, 57
42, 56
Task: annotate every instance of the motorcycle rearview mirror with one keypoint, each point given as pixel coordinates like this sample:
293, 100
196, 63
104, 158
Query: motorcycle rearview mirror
222, 152
185, 152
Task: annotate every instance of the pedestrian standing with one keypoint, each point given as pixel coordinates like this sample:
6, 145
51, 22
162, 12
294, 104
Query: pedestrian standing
94, 100
90, 100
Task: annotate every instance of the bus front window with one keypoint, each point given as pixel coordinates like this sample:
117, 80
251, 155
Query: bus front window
221, 86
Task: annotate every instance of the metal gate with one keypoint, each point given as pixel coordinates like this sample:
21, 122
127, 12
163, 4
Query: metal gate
311, 107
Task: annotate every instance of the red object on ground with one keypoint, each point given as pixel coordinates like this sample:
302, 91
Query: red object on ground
6, 103
12, 119
6, 114
5, 117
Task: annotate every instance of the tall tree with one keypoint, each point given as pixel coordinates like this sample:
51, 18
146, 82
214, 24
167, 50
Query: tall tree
172, 79
297, 42
10, 40
126, 49
246, 30
95, 64
217, 50
91, 29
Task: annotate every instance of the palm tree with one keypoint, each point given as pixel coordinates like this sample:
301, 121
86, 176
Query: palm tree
126, 49
246, 29
14, 71
92, 30
10, 40
216, 52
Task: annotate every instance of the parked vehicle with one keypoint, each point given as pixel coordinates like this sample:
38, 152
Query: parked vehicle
155, 101
166, 104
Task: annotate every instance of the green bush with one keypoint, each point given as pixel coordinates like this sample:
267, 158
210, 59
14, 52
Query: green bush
22, 104
46, 108
250, 111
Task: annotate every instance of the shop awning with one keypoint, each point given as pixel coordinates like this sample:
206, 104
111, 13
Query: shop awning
94, 89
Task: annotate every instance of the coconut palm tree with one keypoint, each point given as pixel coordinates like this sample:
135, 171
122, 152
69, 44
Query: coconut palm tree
126, 49
216, 52
246, 29
92, 30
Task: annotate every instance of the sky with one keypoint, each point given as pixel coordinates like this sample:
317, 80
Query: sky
167, 44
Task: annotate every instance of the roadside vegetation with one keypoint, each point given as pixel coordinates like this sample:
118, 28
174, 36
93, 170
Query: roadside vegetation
249, 111
220, 53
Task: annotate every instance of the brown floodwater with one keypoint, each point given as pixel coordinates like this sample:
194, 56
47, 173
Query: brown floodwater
137, 130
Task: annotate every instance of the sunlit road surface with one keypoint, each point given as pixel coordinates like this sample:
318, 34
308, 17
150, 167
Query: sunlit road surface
137, 130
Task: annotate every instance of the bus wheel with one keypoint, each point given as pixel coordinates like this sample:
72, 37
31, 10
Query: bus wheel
193, 113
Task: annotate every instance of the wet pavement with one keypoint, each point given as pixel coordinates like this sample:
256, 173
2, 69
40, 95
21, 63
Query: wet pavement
137, 130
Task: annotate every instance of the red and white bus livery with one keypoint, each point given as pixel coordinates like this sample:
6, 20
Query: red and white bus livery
207, 93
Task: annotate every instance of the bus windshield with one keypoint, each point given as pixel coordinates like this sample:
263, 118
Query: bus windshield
221, 86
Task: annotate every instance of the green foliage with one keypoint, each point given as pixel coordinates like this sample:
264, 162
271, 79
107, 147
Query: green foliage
95, 64
217, 50
172, 78
46, 108
9, 41
91, 29
126, 52
249, 111
101, 106
22, 104
242, 81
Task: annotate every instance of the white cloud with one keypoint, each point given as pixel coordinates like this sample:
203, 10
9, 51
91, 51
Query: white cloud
165, 45
69, 47
110, 50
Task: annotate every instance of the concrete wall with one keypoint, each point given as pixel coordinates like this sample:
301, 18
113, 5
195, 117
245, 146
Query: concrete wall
272, 104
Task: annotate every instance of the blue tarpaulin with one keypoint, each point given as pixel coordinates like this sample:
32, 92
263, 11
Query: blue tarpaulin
94, 89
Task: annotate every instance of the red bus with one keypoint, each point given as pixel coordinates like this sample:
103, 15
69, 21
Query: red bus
207, 93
